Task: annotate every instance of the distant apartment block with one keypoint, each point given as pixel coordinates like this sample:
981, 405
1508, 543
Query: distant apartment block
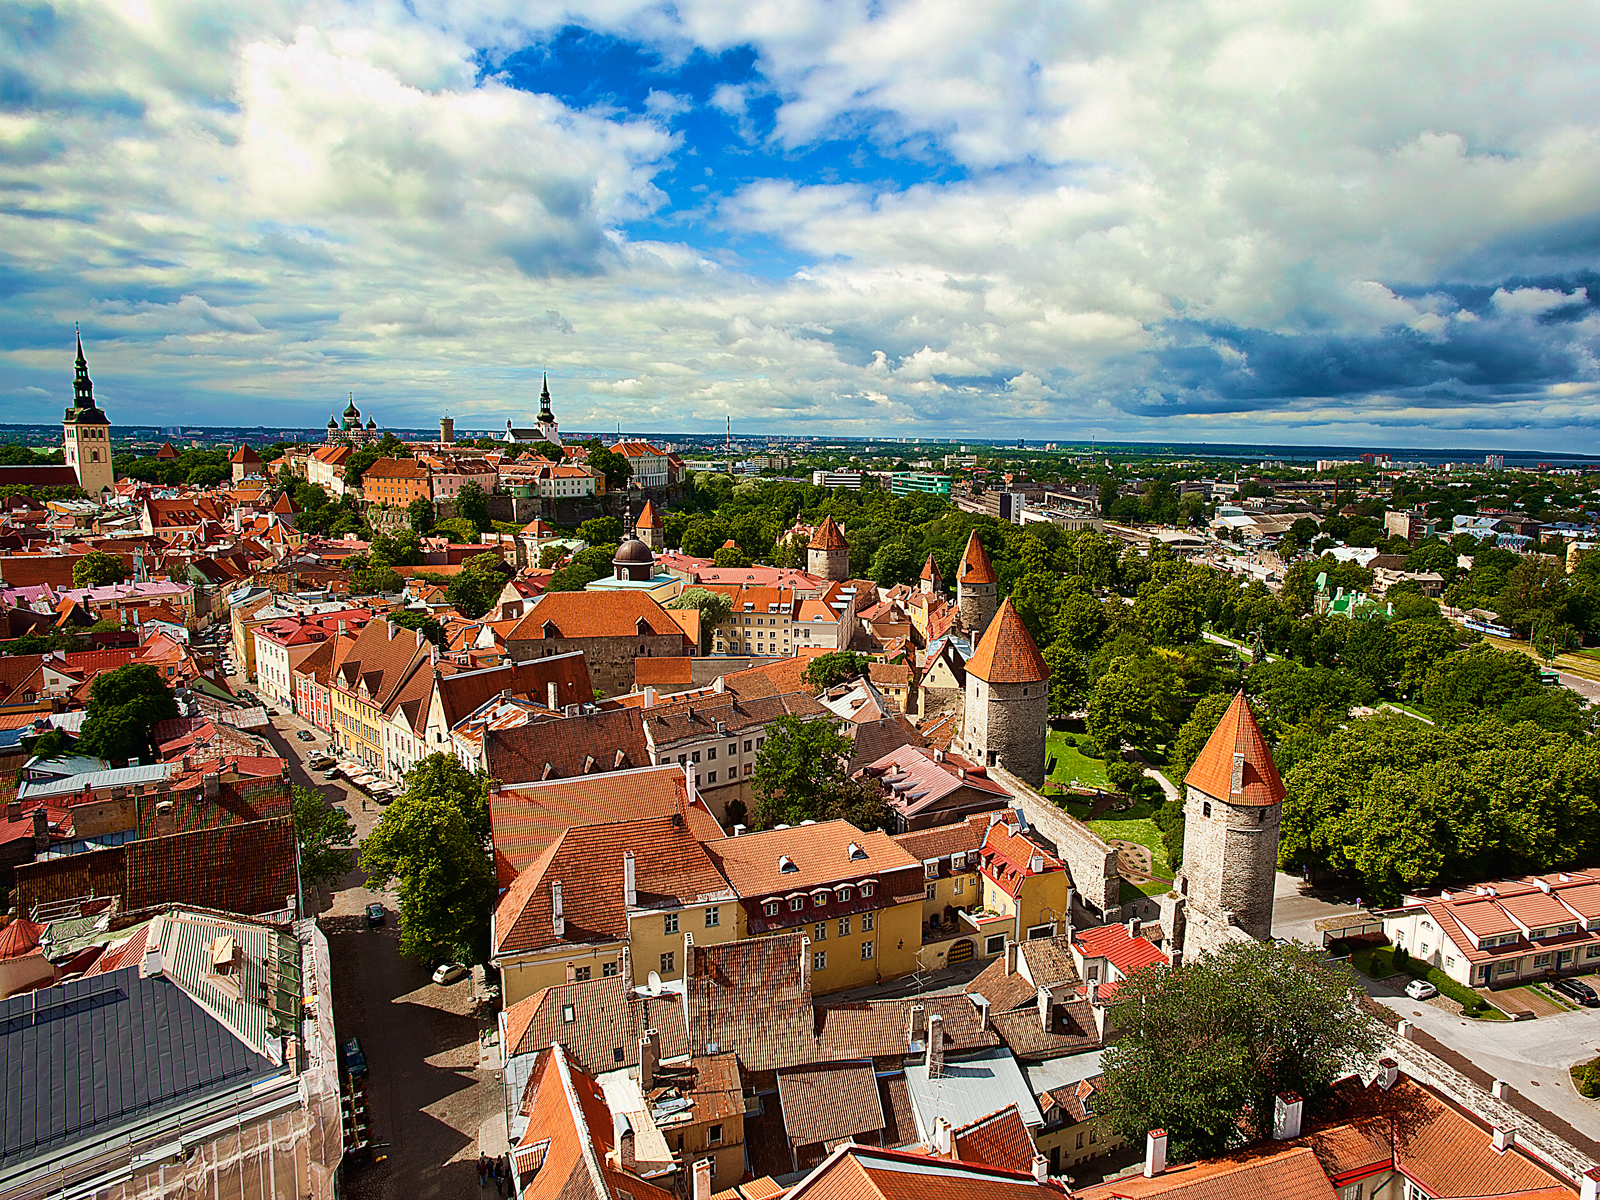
851, 480
904, 483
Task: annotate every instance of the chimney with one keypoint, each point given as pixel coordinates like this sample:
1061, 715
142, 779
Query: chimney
649, 1058
627, 1160
702, 1180
648, 696
914, 1025
935, 1056
1497, 1089
1041, 1168
630, 893
1404, 1030
1036, 864
41, 829
559, 921
1589, 1184
1388, 1073
1237, 784
941, 1136
1043, 999
1155, 1153
13, 810
554, 695
212, 784
805, 965
1091, 991
1286, 1111
1504, 1139
1133, 927
983, 1010
738, 831
1011, 957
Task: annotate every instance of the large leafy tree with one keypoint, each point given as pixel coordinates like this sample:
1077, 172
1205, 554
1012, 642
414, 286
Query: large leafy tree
431, 843
1482, 679
837, 666
609, 463
97, 569
421, 516
475, 590
325, 835
124, 707
799, 772
1203, 1051
1194, 734
713, 607
472, 503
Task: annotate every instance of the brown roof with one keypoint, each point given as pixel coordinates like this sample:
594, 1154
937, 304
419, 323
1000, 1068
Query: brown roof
1236, 734
698, 717
930, 570
525, 821
1290, 1173
998, 1140
461, 694
648, 518
751, 996
824, 1102
381, 660
882, 1028
975, 565
395, 468
589, 743
593, 615
663, 672
828, 537
247, 868
672, 869
778, 678
607, 1015
1007, 653
239, 798
820, 855
867, 1173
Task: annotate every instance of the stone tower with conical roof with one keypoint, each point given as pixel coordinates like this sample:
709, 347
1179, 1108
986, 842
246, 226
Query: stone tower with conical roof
1008, 699
86, 434
649, 528
930, 582
828, 554
1232, 808
977, 588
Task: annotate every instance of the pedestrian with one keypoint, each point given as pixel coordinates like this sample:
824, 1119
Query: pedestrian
499, 1178
483, 1169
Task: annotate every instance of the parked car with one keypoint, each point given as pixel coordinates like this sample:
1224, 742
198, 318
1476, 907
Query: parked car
331, 774
374, 915
1575, 990
303, 735
319, 762
1421, 989
447, 973
354, 1060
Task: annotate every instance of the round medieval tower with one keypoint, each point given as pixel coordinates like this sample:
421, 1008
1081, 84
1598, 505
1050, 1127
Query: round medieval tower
977, 588
1234, 801
1008, 699
828, 554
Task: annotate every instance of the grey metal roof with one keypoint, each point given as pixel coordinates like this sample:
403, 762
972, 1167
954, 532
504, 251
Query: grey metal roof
969, 1089
1059, 1072
150, 773
81, 1059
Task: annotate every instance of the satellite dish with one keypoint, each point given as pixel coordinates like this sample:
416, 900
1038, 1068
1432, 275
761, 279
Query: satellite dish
654, 984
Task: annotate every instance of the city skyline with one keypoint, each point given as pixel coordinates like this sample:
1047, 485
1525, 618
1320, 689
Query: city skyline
1203, 224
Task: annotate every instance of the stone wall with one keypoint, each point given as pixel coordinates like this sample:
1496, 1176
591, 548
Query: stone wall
610, 659
1230, 862
1005, 726
387, 520
1092, 863
829, 564
978, 603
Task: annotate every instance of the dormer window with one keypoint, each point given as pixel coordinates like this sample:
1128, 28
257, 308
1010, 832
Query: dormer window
856, 852
958, 860
867, 889
785, 863
843, 895
819, 898
796, 903
771, 908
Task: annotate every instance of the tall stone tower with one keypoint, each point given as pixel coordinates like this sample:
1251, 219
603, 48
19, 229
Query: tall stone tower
930, 582
1234, 800
447, 431
86, 434
1008, 699
649, 528
828, 554
977, 588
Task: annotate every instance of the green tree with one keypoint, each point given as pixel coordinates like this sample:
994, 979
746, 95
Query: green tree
584, 568
895, 562
601, 531
836, 667
97, 569
476, 589
1204, 1051
1069, 679
425, 846
124, 707
1480, 680
1135, 703
550, 554
799, 771
369, 580
714, 607
400, 549
459, 530
473, 504
442, 775
610, 464
730, 556
420, 513
325, 834
406, 618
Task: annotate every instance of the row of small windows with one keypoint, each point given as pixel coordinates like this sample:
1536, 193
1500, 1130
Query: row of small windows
820, 899
819, 959
669, 923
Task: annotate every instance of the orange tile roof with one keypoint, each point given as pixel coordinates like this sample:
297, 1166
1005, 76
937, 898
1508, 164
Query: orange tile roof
1007, 653
594, 614
975, 565
998, 1140
1291, 1173
828, 537
1236, 734
1007, 857
648, 518
930, 570
819, 853
867, 1173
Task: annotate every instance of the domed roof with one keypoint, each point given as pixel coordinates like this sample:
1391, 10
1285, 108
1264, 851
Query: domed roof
332, 422
372, 423
633, 551
351, 410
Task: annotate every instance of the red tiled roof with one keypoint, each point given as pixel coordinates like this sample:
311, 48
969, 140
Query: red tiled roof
648, 519
594, 615
1121, 949
1291, 1173
930, 570
828, 537
975, 565
20, 937
998, 1140
1236, 734
1007, 653
1007, 857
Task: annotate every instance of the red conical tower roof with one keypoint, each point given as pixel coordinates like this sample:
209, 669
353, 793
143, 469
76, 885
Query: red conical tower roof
20, 937
1007, 653
930, 570
648, 518
828, 537
975, 564
1237, 734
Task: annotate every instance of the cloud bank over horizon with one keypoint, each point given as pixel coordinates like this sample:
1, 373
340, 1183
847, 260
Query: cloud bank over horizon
1201, 221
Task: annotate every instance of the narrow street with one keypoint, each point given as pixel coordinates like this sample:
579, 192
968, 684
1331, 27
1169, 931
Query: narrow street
428, 1096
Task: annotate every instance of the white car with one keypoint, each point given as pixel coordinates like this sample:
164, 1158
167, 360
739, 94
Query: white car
1421, 989
449, 973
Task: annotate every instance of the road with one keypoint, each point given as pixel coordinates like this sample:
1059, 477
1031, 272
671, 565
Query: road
428, 1095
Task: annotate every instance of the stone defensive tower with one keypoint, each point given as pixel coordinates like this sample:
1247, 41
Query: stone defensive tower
1008, 699
1234, 800
931, 582
86, 434
649, 528
977, 588
828, 554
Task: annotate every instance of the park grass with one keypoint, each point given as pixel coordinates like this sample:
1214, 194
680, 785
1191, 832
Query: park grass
1073, 764
1410, 710
1136, 825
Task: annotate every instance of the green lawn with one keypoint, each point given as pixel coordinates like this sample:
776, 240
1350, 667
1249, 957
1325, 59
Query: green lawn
1135, 825
1073, 764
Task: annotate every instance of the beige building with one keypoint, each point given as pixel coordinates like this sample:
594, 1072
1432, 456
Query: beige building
86, 435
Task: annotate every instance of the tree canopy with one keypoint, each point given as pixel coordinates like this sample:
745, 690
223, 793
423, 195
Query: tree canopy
827, 670
325, 834
124, 707
97, 569
799, 776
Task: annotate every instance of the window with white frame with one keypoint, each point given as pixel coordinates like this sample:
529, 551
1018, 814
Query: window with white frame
819, 961
867, 921
866, 950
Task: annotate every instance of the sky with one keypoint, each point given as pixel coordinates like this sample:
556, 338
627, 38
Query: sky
1338, 223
